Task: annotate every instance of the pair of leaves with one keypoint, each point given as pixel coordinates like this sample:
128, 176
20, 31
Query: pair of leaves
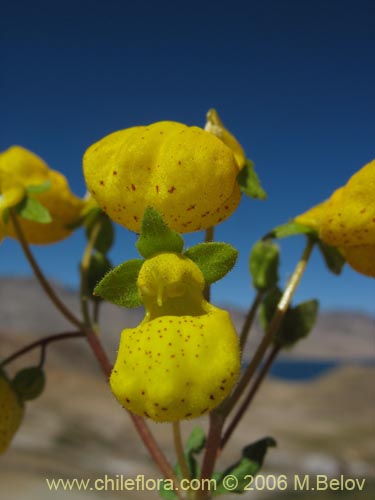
297, 322
119, 286
331, 255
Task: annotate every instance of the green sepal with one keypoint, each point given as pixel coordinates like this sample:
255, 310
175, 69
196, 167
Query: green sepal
249, 465
98, 268
31, 209
156, 236
214, 259
264, 265
249, 182
29, 383
106, 235
333, 259
39, 188
291, 228
119, 286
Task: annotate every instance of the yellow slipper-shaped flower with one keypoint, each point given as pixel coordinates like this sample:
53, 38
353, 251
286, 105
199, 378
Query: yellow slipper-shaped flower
347, 220
187, 174
20, 169
11, 414
183, 359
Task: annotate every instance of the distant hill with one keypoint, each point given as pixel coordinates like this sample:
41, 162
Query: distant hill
77, 429
25, 310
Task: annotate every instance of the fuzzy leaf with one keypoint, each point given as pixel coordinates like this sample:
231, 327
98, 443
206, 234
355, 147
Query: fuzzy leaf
249, 465
298, 323
249, 182
214, 259
332, 257
29, 383
264, 264
291, 228
156, 236
194, 445
32, 209
120, 285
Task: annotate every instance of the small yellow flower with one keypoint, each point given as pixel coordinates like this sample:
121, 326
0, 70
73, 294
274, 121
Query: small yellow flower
20, 169
347, 220
183, 359
186, 173
11, 414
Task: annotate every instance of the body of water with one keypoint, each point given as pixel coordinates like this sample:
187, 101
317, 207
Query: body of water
309, 369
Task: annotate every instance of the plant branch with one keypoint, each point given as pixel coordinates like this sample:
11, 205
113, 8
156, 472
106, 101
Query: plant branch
250, 319
98, 351
42, 343
40, 276
282, 308
84, 268
212, 447
250, 396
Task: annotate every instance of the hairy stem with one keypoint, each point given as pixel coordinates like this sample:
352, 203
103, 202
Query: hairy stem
250, 396
282, 308
42, 343
40, 276
97, 348
84, 267
250, 319
212, 447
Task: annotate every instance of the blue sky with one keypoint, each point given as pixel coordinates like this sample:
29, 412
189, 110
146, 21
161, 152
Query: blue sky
293, 80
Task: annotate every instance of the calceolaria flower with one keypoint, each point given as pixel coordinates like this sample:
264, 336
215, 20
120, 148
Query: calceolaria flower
11, 413
187, 174
20, 171
347, 220
183, 359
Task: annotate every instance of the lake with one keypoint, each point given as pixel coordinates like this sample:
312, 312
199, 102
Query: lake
309, 369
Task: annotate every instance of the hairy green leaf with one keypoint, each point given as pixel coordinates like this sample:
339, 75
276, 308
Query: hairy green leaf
214, 259
29, 383
120, 285
264, 264
156, 236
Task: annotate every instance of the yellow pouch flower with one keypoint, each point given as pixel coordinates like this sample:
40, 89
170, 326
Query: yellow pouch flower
347, 220
185, 173
11, 414
183, 359
20, 169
